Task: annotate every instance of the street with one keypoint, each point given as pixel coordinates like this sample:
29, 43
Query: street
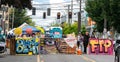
58, 58
18, 58
77, 58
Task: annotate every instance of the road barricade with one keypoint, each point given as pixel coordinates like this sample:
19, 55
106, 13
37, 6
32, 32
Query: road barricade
100, 46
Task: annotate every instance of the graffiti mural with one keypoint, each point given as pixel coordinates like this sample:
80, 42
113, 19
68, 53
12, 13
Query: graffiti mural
56, 32
101, 46
24, 46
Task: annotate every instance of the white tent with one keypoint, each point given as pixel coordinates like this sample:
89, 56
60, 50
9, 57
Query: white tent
11, 31
24, 24
21, 26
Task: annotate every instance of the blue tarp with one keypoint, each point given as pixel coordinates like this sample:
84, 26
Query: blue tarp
33, 29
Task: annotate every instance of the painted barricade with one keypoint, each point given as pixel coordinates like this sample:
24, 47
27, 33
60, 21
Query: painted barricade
100, 46
56, 32
27, 46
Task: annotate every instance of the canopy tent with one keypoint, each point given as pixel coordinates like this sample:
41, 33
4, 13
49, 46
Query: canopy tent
11, 31
23, 25
30, 27
25, 28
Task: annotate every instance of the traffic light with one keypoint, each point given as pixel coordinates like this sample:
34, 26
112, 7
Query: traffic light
33, 11
48, 11
70, 15
58, 15
44, 15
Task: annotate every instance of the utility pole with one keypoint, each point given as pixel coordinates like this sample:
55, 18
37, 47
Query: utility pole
71, 10
3, 18
68, 15
79, 19
13, 18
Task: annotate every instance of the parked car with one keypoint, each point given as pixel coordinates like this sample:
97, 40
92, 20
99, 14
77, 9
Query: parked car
2, 44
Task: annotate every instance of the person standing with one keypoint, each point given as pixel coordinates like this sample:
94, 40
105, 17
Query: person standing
80, 41
86, 41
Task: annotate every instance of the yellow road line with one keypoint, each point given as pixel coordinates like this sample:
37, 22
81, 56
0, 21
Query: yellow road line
88, 59
38, 58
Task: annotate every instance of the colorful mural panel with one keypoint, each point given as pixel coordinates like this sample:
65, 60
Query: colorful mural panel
56, 32
26, 46
101, 46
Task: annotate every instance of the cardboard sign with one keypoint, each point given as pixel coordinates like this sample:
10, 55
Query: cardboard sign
71, 41
100, 46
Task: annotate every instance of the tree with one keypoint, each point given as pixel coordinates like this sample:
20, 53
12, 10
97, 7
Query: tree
22, 4
73, 28
20, 18
104, 10
67, 29
115, 12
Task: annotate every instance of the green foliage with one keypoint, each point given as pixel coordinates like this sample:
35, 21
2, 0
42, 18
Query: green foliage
73, 28
83, 29
55, 25
20, 17
21, 4
100, 10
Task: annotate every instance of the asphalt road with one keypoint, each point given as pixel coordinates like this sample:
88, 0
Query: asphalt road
58, 58
62, 58
18, 58
77, 58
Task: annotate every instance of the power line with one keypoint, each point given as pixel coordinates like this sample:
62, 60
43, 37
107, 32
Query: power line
55, 3
54, 9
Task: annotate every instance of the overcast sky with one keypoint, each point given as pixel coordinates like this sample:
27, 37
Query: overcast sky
39, 13
38, 18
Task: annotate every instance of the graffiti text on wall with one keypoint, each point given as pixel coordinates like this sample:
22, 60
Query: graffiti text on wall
26, 46
100, 46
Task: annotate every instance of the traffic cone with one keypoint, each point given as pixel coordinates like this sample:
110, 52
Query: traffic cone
79, 52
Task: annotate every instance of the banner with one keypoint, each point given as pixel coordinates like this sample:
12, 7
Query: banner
100, 46
71, 41
26, 46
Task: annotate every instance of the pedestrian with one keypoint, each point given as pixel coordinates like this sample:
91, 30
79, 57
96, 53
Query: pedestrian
92, 36
80, 41
86, 41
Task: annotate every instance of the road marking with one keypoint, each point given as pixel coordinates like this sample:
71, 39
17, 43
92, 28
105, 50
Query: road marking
42, 60
88, 59
38, 58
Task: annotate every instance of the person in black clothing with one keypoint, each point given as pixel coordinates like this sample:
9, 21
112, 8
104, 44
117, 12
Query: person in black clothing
86, 41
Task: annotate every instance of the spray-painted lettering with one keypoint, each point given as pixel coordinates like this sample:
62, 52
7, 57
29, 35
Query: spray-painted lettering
100, 46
